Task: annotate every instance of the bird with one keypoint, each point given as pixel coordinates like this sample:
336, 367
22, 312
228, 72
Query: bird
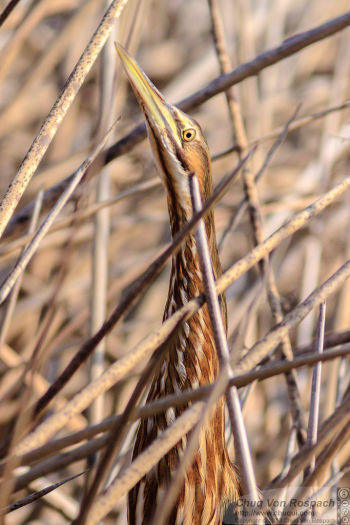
180, 149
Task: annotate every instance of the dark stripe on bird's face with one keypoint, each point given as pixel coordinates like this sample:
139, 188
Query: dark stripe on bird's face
172, 142
181, 158
166, 134
171, 193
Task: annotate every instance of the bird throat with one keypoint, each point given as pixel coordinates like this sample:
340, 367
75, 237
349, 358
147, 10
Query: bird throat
192, 360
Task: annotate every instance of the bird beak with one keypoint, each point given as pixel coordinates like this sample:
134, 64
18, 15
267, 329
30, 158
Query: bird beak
159, 114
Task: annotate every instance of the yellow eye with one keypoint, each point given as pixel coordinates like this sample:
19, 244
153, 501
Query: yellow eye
188, 134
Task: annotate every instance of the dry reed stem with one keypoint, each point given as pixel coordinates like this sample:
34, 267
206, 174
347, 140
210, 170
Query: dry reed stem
143, 463
325, 459
19, 219
275, 335
99, 272
330, 483
146, 347
331, 339
336, 423
119, 428
255, 216
62, 503
18, 369
225, 66
57, 462
37, 495
192, 446
32, 18
239, 432
248, 479
12, 463
5, 13
287, 48
12, 114
330, 428
290, 227
61, 460
242, 206
29, 251
77, 216
135, 290
313, 480
161, 405
316, 383
297, 123
272, 56
10, 307
57, 113
308, 163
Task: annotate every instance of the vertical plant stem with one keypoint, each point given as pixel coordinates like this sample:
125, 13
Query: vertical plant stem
316, 383
232, 398
101, 229
29, 251
11, 305
21, 419
252, 199
51, 123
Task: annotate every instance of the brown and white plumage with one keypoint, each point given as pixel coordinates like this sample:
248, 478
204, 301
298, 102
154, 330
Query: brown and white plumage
180, 149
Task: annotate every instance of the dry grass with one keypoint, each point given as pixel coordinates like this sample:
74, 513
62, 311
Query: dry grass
283, 227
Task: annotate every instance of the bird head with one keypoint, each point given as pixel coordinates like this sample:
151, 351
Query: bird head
177, 141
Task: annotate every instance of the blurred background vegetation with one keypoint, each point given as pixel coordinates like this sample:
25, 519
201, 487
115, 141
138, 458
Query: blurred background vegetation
40, 42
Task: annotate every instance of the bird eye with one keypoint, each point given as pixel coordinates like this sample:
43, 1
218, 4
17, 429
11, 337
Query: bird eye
188, 134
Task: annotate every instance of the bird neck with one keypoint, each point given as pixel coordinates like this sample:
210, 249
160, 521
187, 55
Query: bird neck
192, 359
186, 278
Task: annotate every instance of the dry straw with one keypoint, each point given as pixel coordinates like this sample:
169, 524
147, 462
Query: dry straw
283, 240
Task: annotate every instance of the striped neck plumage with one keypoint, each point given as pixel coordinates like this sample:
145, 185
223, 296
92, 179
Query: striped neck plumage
186, 277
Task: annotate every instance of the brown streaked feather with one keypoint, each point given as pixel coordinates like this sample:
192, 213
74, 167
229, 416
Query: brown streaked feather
211, 476
192, 360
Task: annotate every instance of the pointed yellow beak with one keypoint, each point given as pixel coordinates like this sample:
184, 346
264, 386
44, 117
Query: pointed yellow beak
159, 114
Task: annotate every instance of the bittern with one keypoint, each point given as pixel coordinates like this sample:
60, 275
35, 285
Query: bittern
180, 149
